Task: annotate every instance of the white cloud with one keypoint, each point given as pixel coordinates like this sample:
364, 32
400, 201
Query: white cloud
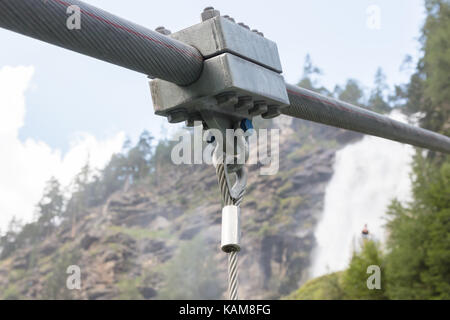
26, 166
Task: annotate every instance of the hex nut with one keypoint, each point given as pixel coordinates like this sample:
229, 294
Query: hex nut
260, 107
210, 13
272, 112
163, 31
177, 116
244, 103
227, 98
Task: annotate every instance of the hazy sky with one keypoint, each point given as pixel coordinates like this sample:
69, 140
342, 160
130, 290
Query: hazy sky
64, 106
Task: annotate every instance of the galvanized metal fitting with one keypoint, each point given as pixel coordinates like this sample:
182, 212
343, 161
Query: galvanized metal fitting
209, 13
259, 108
226, 91
163, 31
227, 99
231, 229
244, 103
193, 119
244, 25
229, 18
272, 112
177, 116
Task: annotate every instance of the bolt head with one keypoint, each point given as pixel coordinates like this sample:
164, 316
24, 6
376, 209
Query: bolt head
244, 25
244, 103
272, 112
210, 13
227, 98
163, 31
258, 32
177, 116
260, 107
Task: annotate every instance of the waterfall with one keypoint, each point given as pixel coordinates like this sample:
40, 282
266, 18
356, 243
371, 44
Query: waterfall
367, 176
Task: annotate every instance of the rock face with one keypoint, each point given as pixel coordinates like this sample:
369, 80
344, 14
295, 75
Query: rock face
162, 240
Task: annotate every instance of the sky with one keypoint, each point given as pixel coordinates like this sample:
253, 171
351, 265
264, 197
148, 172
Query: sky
59, 108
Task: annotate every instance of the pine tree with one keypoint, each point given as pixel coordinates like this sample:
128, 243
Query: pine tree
376, 100
354, 279
351, 93
50, 207
310, 71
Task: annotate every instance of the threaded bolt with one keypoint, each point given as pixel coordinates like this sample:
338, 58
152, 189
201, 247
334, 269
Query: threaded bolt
258, 33
260, 107
177, 116
272, 112
227, 98
229, 18
163, 30
244, 25
210, 13
244, 103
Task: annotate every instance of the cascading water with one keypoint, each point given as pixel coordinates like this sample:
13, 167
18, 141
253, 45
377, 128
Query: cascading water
367, 176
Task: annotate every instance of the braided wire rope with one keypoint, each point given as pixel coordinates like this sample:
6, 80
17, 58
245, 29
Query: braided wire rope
227, 200
104, 36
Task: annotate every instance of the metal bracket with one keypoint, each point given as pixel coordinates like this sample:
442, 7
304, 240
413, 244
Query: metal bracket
241, 88
241, 72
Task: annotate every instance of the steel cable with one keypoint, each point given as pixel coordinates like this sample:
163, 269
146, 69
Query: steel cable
233, 282
104, 36
312, 106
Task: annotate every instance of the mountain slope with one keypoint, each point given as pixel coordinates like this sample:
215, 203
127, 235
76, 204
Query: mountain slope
161, 240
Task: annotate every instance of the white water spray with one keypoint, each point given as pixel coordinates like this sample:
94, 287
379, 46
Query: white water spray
367, 176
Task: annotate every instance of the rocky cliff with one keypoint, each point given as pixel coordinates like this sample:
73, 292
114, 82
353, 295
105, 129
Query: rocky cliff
157, 241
